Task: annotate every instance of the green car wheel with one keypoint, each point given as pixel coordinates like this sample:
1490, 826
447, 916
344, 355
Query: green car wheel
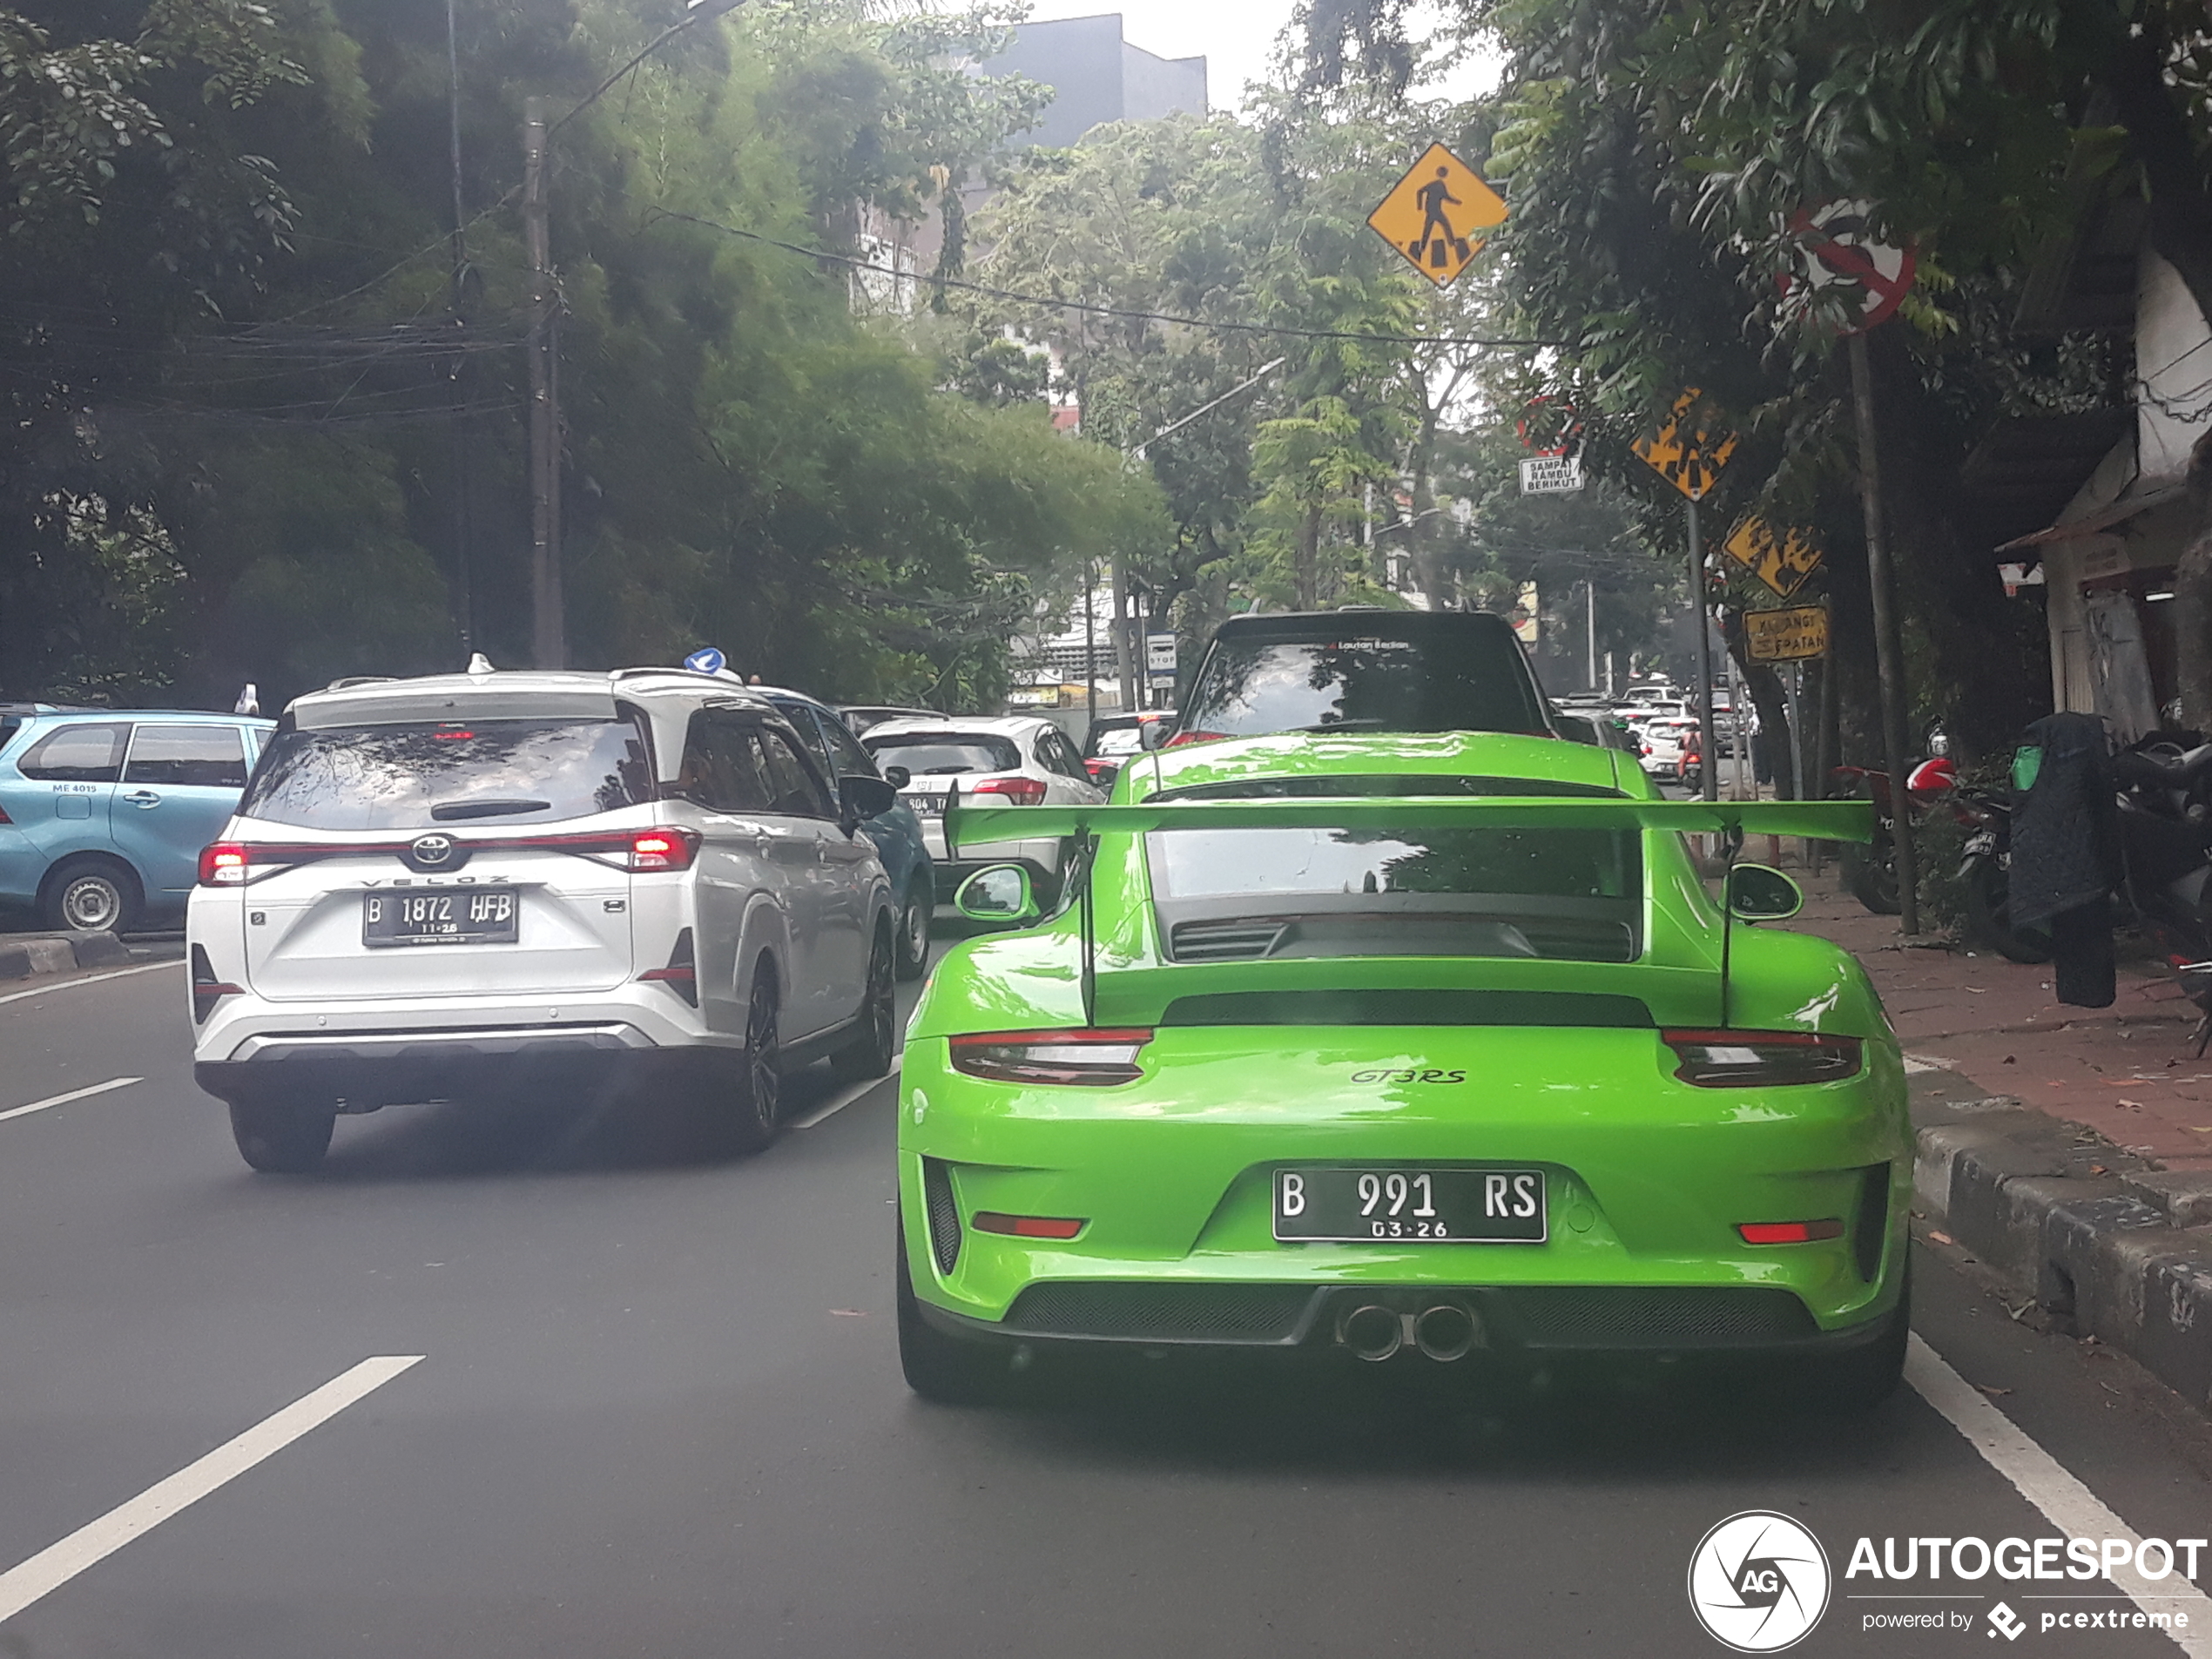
945, 1369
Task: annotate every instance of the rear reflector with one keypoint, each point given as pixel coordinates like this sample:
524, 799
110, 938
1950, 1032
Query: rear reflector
1786, 1232
1087, 1056
681, 976
206, 989
990, 1221
1760, 1059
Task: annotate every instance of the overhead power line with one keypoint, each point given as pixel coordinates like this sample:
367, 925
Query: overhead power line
1055, 303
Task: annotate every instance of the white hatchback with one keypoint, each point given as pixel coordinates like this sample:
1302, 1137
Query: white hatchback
501, 883
1020, 760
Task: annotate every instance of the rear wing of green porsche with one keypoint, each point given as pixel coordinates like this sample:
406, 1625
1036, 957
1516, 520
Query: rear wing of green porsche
1827, 821
1831, 820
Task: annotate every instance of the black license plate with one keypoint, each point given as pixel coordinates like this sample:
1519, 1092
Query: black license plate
1410, 1207
928, 806
492, 917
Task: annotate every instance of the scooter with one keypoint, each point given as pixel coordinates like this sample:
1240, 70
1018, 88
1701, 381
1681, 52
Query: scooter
2165, 818
1983, 868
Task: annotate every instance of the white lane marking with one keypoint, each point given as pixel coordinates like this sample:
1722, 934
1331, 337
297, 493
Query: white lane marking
838, 1103
89, 979
2045, 1482
56, 1564
84, 1093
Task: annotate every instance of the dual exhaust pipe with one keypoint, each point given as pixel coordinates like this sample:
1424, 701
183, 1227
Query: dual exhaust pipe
1443, 1331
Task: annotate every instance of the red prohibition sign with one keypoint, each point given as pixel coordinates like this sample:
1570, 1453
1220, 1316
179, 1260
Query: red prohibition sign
1833, 241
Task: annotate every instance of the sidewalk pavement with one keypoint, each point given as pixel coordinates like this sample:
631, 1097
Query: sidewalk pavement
2129, 1072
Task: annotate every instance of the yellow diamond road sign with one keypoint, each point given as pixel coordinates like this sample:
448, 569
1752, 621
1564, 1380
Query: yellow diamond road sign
1782, 561
1431, 215
1685, 454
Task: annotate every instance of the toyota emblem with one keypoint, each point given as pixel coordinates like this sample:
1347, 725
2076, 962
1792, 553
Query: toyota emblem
431, 851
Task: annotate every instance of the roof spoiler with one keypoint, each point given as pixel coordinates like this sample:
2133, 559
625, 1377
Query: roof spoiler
1826, 820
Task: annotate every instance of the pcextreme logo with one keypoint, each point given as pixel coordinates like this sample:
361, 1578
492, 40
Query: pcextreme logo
1758, 1582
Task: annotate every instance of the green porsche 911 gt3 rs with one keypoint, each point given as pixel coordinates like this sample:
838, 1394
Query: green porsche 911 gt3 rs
1408, 1045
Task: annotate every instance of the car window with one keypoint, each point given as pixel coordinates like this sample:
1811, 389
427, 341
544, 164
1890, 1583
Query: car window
945, 754
1568, 895
1054, 755
1121, 740
847, 758
211, 755
410, 775
77, 754
1252, 684
723, 768
802, 719
792, 788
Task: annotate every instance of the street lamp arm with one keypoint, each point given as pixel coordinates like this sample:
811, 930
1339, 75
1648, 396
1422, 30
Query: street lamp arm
1237, 390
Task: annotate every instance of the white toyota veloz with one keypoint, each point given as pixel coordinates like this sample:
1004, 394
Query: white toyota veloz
486, 883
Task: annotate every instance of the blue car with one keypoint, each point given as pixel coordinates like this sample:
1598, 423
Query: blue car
897, 833
103, 811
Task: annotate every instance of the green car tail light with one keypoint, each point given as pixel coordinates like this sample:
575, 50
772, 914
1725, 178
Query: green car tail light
1089, 1055
1732, 1059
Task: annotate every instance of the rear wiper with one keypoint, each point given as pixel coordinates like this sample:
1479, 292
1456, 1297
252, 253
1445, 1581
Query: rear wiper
452, 810
943, 771
1338, 725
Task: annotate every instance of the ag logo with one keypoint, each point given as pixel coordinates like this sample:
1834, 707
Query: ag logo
1758, 1582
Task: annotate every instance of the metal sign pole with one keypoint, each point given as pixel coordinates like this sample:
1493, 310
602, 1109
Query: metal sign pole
1889, 641
1708, 779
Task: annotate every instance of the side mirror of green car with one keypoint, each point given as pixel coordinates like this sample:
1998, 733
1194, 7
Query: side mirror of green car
1001, 894
1761, 893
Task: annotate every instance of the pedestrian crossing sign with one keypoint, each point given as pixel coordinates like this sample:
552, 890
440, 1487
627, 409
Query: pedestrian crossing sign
1431, 215
1685, 454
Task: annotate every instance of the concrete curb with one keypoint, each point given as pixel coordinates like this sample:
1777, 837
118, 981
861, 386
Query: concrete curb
27, 954
2099, 1238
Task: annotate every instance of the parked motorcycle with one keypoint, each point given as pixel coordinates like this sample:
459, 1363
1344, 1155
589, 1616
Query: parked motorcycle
2165, 818
1870, 871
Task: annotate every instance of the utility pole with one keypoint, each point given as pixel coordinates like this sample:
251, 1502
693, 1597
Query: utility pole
549, 630
463, 555
1590, 594
1090, 648
1708, 782
1124, 669
1889, 639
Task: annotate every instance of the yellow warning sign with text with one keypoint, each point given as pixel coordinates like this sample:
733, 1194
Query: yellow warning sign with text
1685, 454
1787, 636
1431, 214
1782, 561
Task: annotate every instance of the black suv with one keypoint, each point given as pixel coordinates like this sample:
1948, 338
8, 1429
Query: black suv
1363, 671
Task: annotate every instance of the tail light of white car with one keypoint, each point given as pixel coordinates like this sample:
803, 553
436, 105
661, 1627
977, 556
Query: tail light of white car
237, 864
1018, 791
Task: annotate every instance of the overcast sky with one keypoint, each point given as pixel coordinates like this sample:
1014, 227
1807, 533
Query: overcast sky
1237, 38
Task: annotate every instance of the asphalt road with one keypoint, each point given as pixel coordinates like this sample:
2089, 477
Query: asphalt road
657, 1411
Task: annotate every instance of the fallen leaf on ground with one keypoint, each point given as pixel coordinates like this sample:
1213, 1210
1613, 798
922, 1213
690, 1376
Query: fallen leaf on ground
2011, 1060
1941, 1238
847, 1313
2099, 1169
1994, 1393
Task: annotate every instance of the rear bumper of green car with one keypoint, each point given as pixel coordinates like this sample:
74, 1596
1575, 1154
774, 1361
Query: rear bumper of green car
1647, 1180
